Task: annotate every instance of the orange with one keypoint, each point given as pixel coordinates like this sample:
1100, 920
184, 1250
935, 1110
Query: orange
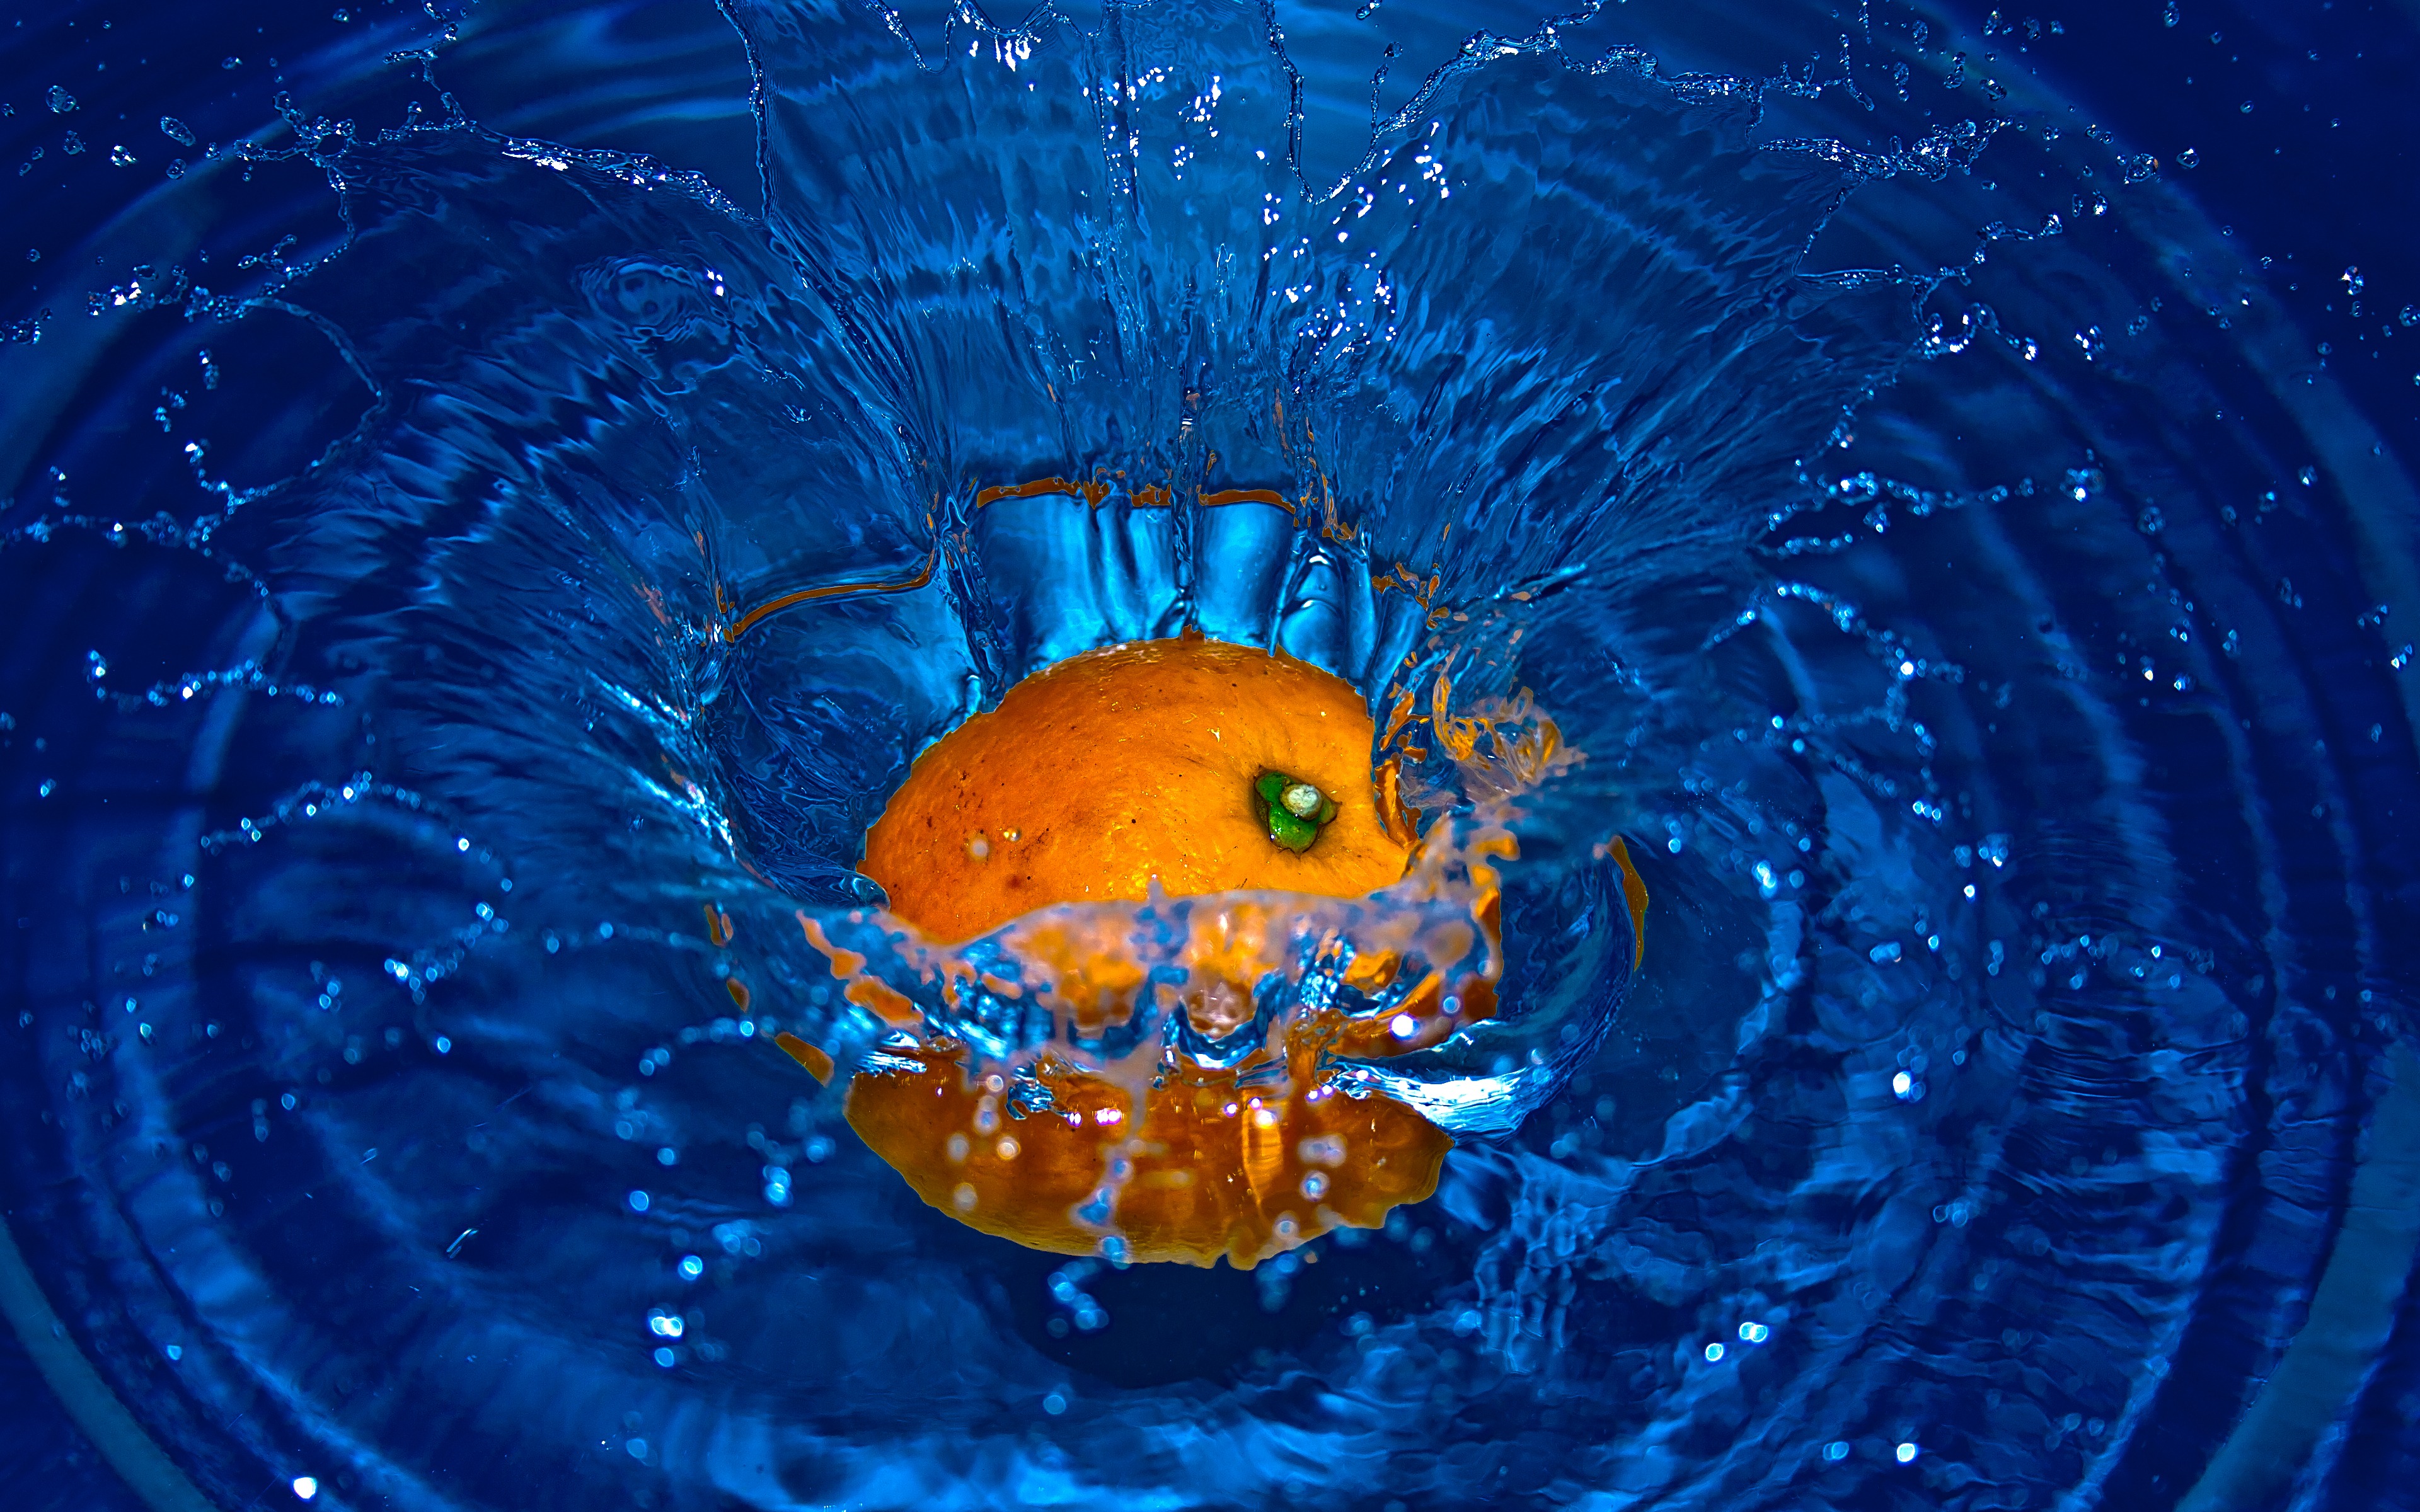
1134, 761
1210, 769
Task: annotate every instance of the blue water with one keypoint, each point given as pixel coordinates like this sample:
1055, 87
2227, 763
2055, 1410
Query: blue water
1968, 542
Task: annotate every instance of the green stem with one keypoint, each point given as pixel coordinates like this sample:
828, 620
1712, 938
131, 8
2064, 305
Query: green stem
1277, 796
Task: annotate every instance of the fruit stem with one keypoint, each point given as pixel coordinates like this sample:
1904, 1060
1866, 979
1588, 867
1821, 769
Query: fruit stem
1293, 810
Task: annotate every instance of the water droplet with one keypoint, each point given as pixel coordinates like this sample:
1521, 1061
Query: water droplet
61, 102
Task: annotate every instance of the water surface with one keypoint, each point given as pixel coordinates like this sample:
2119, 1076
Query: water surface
457, 645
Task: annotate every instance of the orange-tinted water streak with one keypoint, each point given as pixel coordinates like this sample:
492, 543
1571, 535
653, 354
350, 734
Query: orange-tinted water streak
739, 626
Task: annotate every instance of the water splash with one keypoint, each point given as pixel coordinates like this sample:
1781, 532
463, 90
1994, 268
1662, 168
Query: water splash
1997, 1044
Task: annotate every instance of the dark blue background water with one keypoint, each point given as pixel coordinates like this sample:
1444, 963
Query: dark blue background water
1953, 469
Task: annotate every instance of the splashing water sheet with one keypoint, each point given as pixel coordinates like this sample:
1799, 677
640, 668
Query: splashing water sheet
498, 497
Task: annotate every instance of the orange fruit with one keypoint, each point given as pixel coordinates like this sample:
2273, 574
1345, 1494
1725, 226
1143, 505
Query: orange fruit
1106, 770
1211, 768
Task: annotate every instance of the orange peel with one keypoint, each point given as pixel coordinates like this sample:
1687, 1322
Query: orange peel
1103, 772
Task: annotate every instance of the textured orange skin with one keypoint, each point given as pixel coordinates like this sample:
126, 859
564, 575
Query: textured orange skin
1108, 769
1126, 762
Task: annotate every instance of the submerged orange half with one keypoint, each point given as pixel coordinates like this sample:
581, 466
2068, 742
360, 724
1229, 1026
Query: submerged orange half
1212, 768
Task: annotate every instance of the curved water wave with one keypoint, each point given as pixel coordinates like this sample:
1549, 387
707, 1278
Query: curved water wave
419, 831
